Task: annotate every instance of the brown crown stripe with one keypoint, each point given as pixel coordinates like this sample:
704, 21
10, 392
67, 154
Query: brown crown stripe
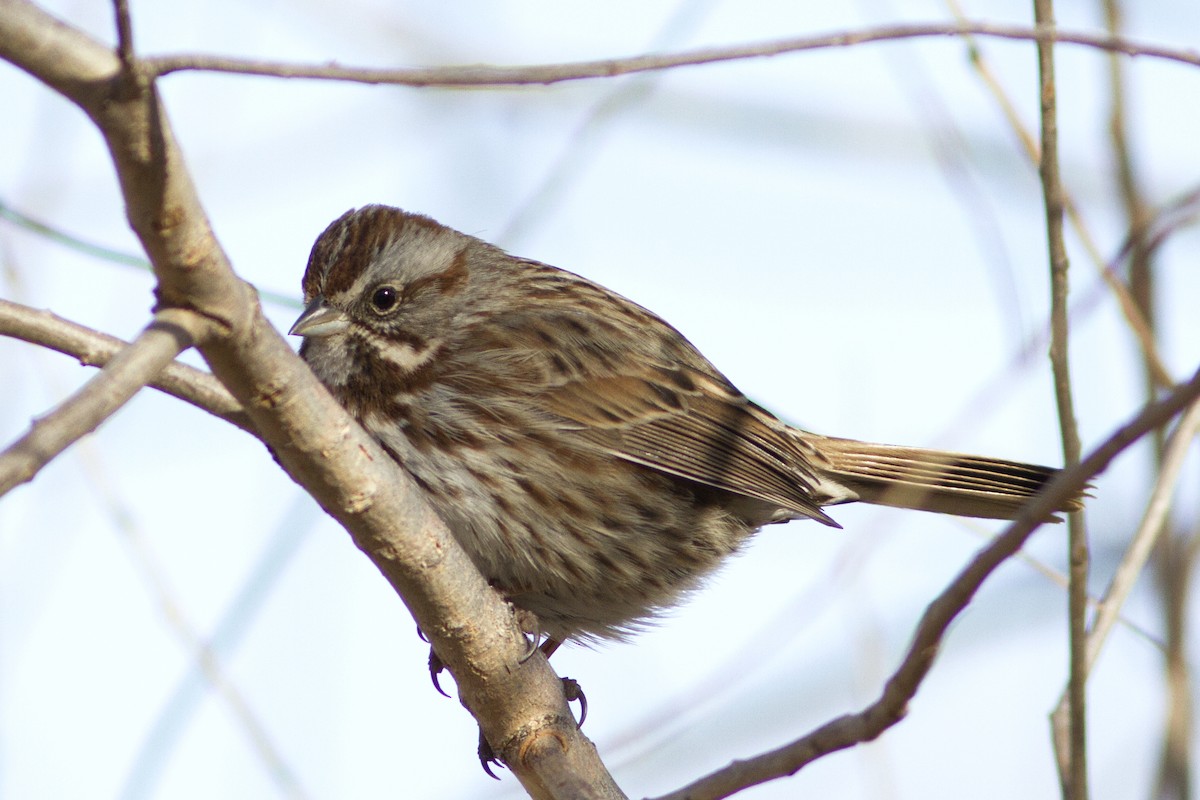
355, 239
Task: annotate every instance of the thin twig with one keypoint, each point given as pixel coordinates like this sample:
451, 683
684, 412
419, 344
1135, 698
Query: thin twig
1148, 534
892, 704
124, 33
1073, 759
486, 75
95, 349
131, 369
99, 251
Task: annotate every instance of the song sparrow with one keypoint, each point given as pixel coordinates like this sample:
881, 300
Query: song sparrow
590, 461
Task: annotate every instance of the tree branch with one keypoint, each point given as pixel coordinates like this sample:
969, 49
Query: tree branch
94, 349
1071, 742
124, 27
606, 68
1148, 532
170, 333
518, 702
891, 706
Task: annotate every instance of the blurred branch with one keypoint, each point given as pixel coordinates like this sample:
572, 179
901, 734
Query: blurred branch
171, 332
1129, 307
518, 702
951, 151
1165, 222
484, 75
892, 704
1177, 568
57, 236
203, 654
1137, 212
72, 242
583, 142
1148, 532
124, 33
1173, 567
161, 737
202, 390
95, 349
1174, 775
1071, 742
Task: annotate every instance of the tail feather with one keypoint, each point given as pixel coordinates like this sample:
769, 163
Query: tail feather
933, 480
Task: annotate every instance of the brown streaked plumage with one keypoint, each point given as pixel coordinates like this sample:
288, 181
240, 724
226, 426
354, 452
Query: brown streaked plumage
593, 464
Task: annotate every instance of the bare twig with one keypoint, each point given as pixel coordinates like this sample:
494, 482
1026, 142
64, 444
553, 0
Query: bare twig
1072, 759
95, 349
124, 33
891, 706
171, 332
607, 68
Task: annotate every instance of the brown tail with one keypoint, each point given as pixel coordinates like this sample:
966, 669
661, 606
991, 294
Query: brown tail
932, 480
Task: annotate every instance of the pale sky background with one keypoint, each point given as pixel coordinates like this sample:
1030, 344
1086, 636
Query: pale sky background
853, 236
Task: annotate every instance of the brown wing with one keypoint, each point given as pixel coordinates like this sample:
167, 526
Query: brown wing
687, 423
623, 381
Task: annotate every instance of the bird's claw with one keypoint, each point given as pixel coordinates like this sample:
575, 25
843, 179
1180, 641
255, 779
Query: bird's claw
487, 757
533, 642
573, 691
436, 665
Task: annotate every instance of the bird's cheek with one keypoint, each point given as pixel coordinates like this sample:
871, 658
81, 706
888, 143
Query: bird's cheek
329, 358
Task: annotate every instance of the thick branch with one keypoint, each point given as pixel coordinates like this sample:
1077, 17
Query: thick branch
98, 399
95, 349
484, 75
519, 705
892, 704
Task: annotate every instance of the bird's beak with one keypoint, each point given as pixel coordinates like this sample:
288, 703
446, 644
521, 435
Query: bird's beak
319, 319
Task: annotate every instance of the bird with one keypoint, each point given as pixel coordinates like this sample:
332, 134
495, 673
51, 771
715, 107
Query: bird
592, 463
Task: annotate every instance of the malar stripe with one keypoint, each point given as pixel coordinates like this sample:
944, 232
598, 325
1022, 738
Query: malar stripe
409, 353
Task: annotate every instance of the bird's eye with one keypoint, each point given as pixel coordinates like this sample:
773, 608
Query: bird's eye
384, 299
